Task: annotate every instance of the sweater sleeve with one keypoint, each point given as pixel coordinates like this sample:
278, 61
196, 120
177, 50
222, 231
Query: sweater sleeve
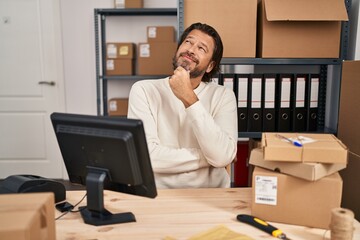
217, 135
164, 159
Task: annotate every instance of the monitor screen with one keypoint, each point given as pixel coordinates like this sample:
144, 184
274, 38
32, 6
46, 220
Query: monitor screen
103, 152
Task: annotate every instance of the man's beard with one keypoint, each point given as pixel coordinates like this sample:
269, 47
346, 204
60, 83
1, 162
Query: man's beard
196, 72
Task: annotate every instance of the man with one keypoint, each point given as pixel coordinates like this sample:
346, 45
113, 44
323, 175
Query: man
190, 124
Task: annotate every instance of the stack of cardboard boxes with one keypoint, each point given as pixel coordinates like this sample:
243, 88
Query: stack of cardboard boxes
120, 58
298, 185
272, 29
155, 56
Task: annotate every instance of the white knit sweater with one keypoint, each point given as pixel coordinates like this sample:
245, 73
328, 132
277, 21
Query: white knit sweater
188, 147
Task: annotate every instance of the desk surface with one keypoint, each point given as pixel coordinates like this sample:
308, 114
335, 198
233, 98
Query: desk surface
179, 213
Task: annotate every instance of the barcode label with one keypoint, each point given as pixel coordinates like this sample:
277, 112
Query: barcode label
266, 190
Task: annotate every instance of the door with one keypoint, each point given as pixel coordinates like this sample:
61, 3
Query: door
31, 87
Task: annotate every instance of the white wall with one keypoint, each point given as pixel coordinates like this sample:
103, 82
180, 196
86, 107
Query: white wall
79, 48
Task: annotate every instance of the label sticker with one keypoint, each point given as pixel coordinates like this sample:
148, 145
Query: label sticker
124, 51
145, 50
266, 190
113, 106
152, 32
111, 51
110, 65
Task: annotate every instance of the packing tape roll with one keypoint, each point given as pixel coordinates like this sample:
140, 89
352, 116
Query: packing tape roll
342, 224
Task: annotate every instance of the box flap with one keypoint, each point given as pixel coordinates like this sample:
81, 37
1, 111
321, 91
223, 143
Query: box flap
305, 10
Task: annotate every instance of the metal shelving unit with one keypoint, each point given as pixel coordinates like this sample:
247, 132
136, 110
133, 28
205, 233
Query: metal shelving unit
100, 48
328, 68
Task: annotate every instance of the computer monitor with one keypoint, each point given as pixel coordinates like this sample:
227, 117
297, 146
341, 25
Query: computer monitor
103, 152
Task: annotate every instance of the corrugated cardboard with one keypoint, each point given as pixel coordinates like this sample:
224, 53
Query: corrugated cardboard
155, 58
118, 106
349, 112
24, 225
120, 66
120, 50
129, 3
234, 20
160, 34
282, 198
300, 29
349, 133
326, 149
42, 204
351, 180
307, 171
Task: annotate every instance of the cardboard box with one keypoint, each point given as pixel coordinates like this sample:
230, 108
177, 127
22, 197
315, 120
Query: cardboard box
25, 225
349, 133
118, 106
120, 50
285, 199
119, 67
234, 20
161, 34
307, 171
156, 58
129, 3
298, 29
325, 148
27, 210
349, 110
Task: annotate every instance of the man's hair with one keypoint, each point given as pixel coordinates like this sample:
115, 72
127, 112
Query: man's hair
218, 48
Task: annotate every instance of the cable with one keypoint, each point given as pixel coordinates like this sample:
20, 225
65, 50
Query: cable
71, 210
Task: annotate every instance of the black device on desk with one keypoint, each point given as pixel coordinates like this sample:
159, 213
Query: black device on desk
105, 152
32, 183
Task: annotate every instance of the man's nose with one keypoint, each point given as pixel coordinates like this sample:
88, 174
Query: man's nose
192, 48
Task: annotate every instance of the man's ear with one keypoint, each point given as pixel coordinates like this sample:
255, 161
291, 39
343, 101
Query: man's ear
210, 66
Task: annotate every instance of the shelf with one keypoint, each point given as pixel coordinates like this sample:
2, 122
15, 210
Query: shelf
280, 61
137, 12
133, 77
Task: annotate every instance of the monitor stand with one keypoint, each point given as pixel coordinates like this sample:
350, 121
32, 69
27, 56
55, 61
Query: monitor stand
95, 213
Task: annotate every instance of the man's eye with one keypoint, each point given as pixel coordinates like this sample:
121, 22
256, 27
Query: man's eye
202, 49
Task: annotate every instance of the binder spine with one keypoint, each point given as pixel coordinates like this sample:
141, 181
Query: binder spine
269, 87
284, 98
298, 103
313, 101
255, 108
242, 84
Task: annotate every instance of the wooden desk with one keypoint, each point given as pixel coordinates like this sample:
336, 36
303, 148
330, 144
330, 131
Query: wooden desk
179, 213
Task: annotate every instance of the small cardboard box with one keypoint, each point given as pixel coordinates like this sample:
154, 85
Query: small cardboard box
324, 148
234, 20
118, 106
120, 50
298, 29
285, 199
161, 34
119, 67
129, 3
155, 58
32, 213
307, 171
